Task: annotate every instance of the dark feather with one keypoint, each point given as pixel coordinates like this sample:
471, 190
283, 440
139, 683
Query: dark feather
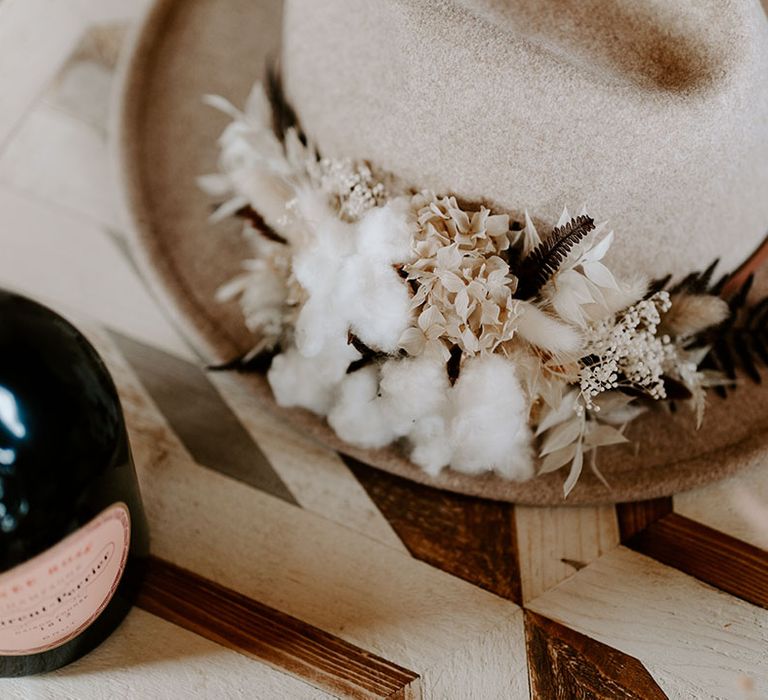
740, 342
257, 221
541, 264
283, 115
675, 390
657, 285
695, 283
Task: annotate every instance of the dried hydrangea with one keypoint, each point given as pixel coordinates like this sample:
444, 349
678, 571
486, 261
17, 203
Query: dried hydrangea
629, 351
463, 287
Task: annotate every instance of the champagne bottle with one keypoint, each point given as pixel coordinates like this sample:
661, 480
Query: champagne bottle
73, 533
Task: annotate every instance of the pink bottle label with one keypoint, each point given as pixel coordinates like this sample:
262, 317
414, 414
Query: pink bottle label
50, 599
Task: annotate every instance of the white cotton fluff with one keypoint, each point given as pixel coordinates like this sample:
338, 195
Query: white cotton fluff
310, 382
374, 297
375, 302
324, 318
359, 416
385, 233
347, 271
414, 388
432, 449
489, 421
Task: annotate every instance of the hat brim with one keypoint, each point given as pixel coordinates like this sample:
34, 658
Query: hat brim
165, 138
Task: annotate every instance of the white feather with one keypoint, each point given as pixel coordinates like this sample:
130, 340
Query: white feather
546, 332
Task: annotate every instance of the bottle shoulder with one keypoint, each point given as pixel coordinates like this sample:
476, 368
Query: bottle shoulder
61, 424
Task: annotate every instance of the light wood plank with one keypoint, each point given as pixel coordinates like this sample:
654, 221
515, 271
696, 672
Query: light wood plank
58, 158
553, 543
150, 658
290, 645
315, 475
68, 262
737, 506
36, 36
325, 574
694, 640
147, 657
108, 11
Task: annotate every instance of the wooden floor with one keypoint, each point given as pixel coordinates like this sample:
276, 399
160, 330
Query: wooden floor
282, 570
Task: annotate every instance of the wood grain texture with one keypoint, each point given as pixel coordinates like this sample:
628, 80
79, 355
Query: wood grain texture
199, 416
554, 543
708, 555
565, 664
636, 516
471, 538
148, 658
318, 570
225, 616
737, 506
55, 239
315, 475
695, 641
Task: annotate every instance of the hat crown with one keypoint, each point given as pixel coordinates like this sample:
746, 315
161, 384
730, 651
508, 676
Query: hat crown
654, 115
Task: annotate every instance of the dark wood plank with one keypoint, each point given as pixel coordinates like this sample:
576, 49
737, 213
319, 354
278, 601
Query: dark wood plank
564, 664
196, 412
634, 517
249, 627
472, 538
711, 556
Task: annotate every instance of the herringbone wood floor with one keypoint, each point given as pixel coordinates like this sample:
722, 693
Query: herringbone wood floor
283, 570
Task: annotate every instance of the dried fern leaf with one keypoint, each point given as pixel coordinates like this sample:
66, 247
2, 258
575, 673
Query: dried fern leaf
740, 342
543, 262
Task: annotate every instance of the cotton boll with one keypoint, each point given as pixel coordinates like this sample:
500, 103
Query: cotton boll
375, 301
385, 233
544, 331
358, 416
489, 425
316, 264
414, 388
319, 324
318, 269
295, 382
432, 449
310, 382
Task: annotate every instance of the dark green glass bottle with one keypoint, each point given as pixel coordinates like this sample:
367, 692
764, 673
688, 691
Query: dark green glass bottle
73, 533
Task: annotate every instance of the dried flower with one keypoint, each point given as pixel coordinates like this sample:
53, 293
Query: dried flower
463, 288
347, 252
352, 187
628, 351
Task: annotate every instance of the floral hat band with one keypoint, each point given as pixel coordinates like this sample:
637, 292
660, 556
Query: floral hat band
472, 339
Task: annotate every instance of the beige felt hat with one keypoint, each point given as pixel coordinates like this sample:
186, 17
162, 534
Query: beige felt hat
655, 114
